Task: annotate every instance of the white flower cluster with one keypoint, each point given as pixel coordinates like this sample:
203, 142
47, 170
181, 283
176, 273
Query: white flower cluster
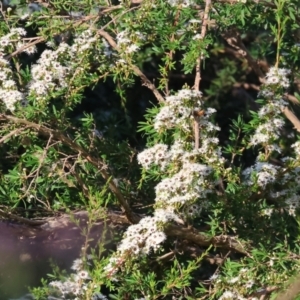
13, 40
276, 80
183, 3
83, 42
50, 74
263, 173
234, 295
271, 113
157, 154
145, 233
128, 41
75, 285
278, 76
23, 47
188, 182
230, 295
290, 182
162, 156
139, 239
185, 187
271, 124
107, 49
244, 280
9, 93
267, 133
177, 110
292, 204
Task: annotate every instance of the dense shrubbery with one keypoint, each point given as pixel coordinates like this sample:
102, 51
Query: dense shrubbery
208, 179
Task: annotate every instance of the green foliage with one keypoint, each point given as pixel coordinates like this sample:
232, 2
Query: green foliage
75, 113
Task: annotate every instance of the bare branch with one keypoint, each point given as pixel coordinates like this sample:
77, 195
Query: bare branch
12, 133
201, 239
205, 20
294, 120
233, 38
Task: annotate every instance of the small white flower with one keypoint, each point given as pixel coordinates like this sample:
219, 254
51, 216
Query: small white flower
234, 280
132, 48
83, 274
77, 264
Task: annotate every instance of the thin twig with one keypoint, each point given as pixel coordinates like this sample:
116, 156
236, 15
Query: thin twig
205, 20
12, 133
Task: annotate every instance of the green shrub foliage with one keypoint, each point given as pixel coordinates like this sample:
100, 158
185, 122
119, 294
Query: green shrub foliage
182, 114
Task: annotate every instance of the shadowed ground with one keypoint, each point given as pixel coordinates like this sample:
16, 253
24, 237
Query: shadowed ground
25, 251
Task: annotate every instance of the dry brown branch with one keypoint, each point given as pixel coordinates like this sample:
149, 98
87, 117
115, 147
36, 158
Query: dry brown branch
201, 239
114, 19
191, 235
36, 41
291, 98
264, 292
205, 20
294, 120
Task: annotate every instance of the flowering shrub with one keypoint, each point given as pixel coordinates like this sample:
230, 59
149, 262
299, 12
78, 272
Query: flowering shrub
209, 179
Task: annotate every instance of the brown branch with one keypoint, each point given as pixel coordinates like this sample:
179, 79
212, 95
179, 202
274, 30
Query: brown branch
291, 98
233, 38
294, 120
132, 217
201, 239
205, 20
38, 40
137, 71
